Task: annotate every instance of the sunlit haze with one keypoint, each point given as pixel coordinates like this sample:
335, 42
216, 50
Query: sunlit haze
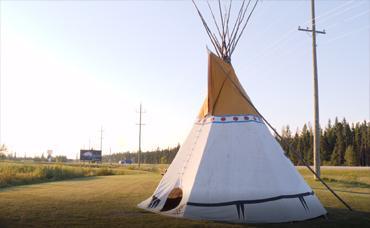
69, 68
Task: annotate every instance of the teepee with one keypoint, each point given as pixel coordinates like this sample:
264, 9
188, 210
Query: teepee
231, 168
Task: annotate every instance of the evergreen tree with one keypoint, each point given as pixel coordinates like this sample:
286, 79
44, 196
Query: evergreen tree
336, 139
306, 143
350, 156
337, 157
367, 162
331, 139
295, 144
348, 138
286, 135
357, 142
325, 151
364, 152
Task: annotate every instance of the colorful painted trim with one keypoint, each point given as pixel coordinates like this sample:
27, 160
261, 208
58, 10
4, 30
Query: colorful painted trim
240, 204
230, 119
221, 204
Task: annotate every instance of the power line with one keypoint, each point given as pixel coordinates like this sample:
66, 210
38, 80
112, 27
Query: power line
283, 39
348, 19
346, 34
284, 52
357, 15
337, 10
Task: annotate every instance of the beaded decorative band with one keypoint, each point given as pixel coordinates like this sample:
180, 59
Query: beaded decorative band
230, 119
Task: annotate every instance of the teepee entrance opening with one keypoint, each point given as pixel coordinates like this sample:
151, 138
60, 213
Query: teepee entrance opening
173, 199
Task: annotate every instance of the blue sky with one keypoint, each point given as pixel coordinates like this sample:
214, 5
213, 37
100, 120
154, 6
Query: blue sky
70, 67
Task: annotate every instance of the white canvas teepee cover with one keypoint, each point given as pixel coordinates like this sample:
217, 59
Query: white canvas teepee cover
230, 168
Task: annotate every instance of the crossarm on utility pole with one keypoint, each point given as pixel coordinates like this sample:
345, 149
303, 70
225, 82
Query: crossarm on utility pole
310, 30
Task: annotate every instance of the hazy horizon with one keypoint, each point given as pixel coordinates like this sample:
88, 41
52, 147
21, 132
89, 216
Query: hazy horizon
70, 67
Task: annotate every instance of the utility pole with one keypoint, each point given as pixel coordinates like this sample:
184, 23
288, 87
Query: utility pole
316, 128
140, 124
101, 139
110, 155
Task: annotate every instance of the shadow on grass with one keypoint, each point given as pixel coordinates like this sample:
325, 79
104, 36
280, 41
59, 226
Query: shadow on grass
344, 191
140, 218
335, 218
345, 218
348, 183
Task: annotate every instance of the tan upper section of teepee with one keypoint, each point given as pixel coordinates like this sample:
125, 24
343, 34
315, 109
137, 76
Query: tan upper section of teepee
226, 95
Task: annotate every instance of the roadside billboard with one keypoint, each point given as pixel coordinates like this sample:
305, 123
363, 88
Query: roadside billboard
90, 155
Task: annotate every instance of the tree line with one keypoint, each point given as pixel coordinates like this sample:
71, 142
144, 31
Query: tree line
5, 154
341, 143
157, 156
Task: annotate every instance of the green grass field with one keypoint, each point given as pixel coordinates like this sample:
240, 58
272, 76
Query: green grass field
21, 173
110, 201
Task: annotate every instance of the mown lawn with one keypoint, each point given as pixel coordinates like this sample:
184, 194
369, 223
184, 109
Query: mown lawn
110, 201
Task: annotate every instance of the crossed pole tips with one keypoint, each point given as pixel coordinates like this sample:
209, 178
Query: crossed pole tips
228, 36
